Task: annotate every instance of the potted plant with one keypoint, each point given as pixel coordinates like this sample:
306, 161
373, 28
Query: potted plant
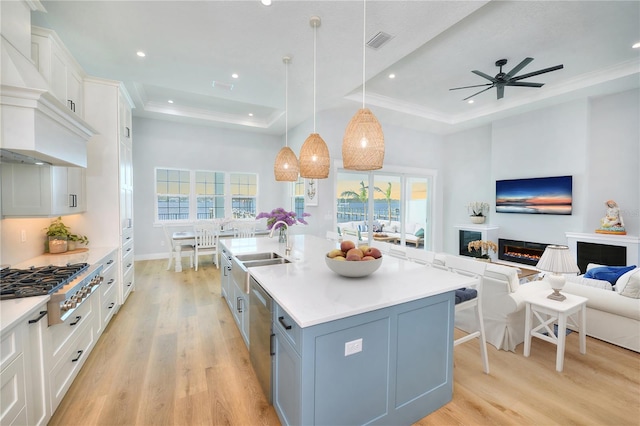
59, 236
477, 211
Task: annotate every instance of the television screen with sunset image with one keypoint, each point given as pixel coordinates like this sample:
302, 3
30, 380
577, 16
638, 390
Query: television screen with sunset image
548, 195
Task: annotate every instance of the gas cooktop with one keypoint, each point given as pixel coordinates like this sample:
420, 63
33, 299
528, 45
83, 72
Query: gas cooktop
37, 281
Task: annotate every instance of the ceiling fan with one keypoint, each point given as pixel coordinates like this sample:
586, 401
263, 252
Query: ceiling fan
509, 79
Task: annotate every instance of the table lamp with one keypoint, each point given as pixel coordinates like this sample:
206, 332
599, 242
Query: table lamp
557, 260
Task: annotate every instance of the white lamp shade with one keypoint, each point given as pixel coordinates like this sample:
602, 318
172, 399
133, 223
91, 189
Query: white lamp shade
557, 259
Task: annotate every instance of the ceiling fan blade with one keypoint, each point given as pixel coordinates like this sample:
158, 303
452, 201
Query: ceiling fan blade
517, 68
524, 84
468, 87
500, 91
531, 74
483, 90
481, 74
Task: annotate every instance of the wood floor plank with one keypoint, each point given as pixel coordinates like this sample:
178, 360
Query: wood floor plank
173, 356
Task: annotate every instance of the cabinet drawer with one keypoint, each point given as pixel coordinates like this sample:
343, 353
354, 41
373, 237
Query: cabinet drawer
288, 327
12, 393
127, 235
71, 360
128, 283
10, 346
63, 333
110, 264
109, 307
109, 282
127, 249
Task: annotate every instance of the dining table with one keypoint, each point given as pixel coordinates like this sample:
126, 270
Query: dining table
182, 238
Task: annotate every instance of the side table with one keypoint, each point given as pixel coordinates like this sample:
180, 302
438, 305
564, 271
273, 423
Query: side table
549, 311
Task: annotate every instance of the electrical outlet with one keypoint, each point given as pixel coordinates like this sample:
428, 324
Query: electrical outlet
23, 236
353, 347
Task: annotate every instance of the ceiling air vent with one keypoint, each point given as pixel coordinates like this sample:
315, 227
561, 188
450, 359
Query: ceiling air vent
221, 85
379, 40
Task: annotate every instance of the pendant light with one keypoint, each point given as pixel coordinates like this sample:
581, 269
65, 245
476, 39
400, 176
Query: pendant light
286, 166
363, 142
314, 154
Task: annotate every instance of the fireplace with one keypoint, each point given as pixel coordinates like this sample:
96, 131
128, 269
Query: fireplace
525, 252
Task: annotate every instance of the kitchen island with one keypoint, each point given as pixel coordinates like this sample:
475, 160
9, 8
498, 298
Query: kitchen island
371, 350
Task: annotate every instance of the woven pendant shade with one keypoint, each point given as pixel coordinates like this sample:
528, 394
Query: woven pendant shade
363, 142
286, 166
314, 158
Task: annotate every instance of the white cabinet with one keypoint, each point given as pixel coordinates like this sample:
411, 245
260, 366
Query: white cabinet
30, 190
22, 376
471, 232
59, 68
110, 178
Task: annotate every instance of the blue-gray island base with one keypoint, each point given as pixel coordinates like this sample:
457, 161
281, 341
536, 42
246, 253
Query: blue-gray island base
352, 351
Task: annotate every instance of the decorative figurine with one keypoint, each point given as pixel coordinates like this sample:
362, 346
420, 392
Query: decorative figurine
612, 223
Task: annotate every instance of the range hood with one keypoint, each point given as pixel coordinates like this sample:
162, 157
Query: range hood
34, 123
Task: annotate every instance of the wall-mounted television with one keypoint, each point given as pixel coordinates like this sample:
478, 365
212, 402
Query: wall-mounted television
546, 195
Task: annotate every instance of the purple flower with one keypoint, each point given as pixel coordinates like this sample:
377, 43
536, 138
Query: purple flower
290, 218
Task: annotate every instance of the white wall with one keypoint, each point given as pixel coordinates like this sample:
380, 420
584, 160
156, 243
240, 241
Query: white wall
596, 141
167, 144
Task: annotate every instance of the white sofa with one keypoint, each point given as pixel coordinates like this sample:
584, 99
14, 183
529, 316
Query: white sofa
611, 317
391, 229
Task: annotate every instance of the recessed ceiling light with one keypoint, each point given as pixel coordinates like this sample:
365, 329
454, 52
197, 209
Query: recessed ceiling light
234, 75
141, 53
636, 46
266, 2
470, 101
170, 101
392, 75
250, 114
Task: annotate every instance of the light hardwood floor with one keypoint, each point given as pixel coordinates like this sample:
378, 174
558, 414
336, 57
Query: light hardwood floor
173, 356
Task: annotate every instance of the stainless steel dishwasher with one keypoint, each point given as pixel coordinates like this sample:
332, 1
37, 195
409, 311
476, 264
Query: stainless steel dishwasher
261, 335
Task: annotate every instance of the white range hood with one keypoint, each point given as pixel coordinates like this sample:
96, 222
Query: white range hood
34, 122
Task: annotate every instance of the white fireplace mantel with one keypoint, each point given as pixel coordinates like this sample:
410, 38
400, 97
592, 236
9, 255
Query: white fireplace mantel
632, 243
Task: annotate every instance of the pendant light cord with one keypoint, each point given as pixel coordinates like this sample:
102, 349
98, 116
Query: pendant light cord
286, 103
315, 32
364, 38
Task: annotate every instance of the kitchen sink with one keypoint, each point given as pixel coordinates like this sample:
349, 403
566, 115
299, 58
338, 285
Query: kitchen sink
242, 262
265, 262
258, 256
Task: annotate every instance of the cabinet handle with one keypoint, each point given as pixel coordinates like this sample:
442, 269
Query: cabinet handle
111, 305
129, 285
42, 314
128, 132
110, 281
72, 105
78, 318
78, 357
271, 351
110, 262
281, 321
239, 303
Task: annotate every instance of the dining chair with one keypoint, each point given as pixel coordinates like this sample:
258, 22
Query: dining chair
333, 235
398, 251
351, 235
207, 239
185, 248
244, 229
467, 298
424, 257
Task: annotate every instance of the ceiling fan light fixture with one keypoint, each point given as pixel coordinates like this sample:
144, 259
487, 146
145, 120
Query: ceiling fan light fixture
286, 167
363, 141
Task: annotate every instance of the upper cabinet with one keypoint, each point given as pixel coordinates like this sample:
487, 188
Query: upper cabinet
59, 68
33, 191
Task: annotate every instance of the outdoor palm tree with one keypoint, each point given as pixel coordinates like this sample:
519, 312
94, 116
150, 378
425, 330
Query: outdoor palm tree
387, 196
362, 195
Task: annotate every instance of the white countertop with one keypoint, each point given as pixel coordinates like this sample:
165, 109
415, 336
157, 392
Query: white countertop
312, 294
14, 310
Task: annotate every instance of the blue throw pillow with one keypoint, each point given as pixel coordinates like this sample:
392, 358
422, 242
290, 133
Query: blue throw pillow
420, 233
608, 273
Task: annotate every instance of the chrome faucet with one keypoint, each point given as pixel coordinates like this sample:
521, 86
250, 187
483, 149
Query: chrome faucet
286, 237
